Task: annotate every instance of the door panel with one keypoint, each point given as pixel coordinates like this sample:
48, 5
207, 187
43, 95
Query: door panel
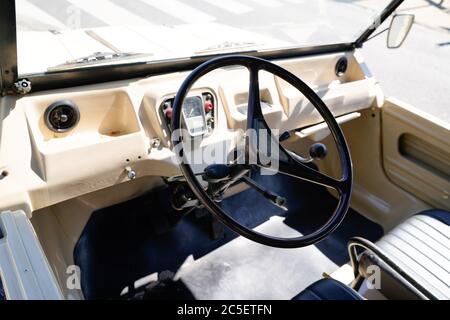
416, 152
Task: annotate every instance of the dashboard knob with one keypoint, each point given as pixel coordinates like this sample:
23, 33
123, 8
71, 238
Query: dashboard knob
285, 136
318, 151
168, 113
216, 173
209, 106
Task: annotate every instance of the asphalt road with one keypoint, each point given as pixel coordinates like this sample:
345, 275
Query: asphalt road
418, 72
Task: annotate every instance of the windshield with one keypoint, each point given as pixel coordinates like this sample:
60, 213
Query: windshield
57, 35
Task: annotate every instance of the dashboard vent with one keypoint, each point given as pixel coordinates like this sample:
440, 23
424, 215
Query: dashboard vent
62, 116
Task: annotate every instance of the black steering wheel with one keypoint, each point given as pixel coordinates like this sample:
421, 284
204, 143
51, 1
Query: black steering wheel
289, 163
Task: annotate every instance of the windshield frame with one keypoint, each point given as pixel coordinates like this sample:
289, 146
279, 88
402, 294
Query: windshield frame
8, 46
114, 72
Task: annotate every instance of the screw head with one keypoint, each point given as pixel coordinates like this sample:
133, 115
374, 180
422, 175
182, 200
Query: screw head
156, 143
132, 175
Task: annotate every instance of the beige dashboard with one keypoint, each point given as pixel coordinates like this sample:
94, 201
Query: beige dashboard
122, 127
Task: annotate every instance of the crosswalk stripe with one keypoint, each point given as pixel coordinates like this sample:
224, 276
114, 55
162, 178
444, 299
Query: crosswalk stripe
232, 6
295, 1
268, 3
109, 12
27, 9
180, 10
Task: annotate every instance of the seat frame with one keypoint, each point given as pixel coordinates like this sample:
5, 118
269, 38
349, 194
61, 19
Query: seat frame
378, 256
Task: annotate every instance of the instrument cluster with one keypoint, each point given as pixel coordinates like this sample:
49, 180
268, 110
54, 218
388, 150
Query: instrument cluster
198, 115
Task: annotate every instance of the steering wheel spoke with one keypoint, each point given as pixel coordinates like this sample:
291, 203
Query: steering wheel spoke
304, 172
254, 111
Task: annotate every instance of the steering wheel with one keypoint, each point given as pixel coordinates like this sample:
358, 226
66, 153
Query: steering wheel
289, 163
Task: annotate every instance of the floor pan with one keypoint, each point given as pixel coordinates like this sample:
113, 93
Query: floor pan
123, 244
242, 269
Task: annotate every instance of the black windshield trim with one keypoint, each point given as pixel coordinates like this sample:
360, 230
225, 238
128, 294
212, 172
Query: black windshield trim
112, 72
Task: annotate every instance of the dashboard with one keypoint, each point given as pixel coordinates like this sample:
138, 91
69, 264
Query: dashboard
66, 143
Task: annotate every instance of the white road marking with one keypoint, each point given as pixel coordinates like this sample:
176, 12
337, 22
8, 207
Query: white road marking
128, 40
180, 11
79, 44
28, 10
296, 1
232, 6
268, 3
109, 12
165, 38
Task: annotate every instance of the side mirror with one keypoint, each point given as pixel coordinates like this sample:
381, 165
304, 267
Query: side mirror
398, 30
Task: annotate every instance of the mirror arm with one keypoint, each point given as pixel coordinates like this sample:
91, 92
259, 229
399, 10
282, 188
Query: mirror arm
376, 34
392, 6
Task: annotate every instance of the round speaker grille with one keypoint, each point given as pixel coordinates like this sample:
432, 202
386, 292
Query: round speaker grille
62, 116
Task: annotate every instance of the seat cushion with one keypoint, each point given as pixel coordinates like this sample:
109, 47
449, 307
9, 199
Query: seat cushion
328, 289
441, 215
421, 247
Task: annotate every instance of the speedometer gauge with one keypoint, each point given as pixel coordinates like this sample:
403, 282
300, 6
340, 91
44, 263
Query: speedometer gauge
194, 116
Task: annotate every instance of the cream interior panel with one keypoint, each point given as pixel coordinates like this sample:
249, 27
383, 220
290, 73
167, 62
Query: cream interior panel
60, 226
416, 153
355, 90
108, 122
